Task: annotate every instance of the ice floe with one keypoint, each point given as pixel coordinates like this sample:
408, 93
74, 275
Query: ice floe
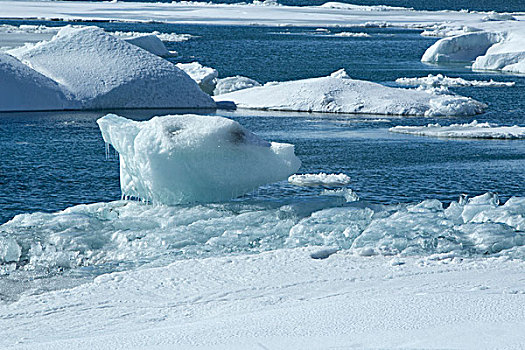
231, 84
441, 80
321, 179
338, 93
473, 130
23, 88
191, 158
149, 42
101, 71
206, 77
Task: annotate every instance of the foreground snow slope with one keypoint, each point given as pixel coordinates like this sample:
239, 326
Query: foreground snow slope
338, 93
22, 88
191, 158
101, 71
283, 299
472, 130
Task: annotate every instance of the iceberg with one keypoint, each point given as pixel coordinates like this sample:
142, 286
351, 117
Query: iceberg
23, 88
102, 71
231, 84
460, 48
321, 179
441, 80
190, 158
206, 77
473, 130
338, 93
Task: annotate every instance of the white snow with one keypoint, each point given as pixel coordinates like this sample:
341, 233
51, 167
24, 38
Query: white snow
191, 158
321, 179
22, 88
102, 71
441, 80
149, 42
473, 130
338, 93
231, 84
206, 77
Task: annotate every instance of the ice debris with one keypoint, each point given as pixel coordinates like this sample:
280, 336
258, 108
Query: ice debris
236, 83
321, 179
338, 93
191, 158
441, 80
473, 130
206, 77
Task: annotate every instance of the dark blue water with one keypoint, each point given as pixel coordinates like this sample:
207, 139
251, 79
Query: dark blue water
51, 161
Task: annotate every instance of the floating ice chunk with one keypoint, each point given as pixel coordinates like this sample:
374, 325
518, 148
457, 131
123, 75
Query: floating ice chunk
191, 158
495, 16
441, 80
321, 179
346, 193
340, 94
473, 130
102, 71
169, 37
149, 42
24, 89
461, 48
206, 77
231, 84
352, 35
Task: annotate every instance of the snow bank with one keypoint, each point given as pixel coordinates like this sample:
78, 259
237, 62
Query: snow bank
441, 80
460, 48
231, 84
190, 158
338, 93
102, 71
472, 130
321, 179
22, 88
206, 77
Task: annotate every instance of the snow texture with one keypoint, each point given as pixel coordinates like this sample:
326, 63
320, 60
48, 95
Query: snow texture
231, 84
22, 88
206, 77
338, 93
101, 71
473, 130
321, 179
441, 80
191, 158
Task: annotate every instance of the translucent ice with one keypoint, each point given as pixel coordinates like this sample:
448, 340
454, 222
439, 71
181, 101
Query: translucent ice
191, 158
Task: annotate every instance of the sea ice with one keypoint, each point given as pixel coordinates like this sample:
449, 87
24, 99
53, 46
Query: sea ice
149, 42
473, 130
321, 179
231, 84
23, 88
338, 93
191, 158
102, 71
441, 80
461, 48
206, 77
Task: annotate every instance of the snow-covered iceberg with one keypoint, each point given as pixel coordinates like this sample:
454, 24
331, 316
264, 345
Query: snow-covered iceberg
338, 93
22, 88
472, 130
492, 49
321, 179
206, 77
236, 83
102, 71
191, 158
441, 80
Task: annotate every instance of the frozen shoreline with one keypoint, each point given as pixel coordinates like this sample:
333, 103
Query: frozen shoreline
283, 298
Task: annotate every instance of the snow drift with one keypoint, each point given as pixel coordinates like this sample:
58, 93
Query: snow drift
338, 93
472, 130
191, 158
22, 88
101, 71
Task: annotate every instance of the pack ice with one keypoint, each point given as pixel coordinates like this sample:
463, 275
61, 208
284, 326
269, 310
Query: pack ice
338, 93
191, 158
102, 71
